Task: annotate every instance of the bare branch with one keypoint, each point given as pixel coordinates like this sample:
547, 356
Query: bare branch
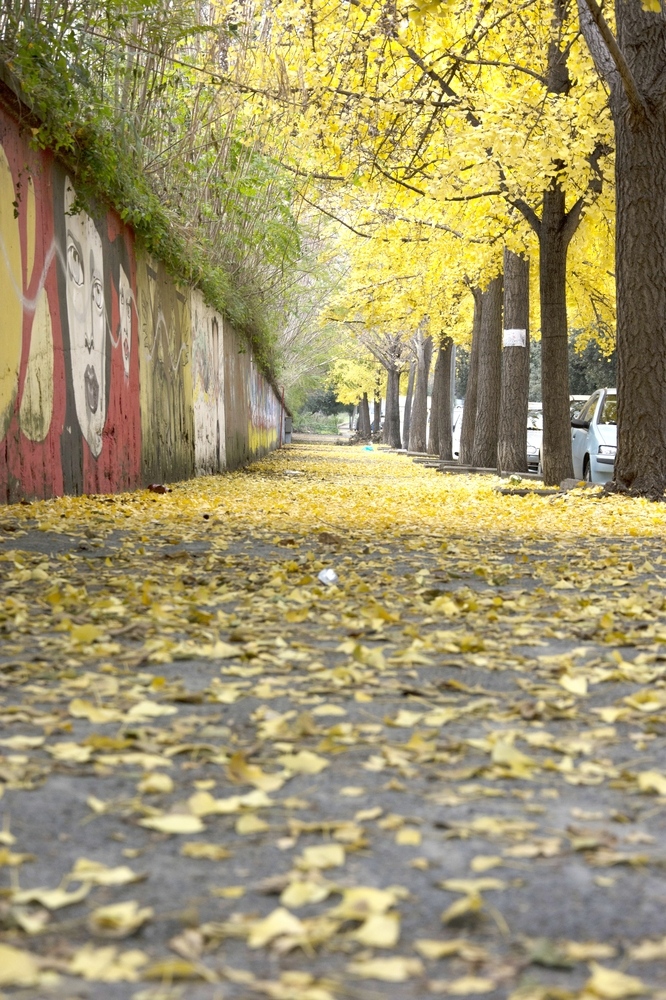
629, 84
501, 65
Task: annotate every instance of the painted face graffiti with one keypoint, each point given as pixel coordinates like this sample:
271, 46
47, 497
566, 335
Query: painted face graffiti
125, 309
84, 270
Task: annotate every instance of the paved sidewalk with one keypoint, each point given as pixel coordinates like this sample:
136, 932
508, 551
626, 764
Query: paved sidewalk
443, 775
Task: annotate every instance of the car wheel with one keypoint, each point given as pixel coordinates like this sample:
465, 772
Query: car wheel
587, 470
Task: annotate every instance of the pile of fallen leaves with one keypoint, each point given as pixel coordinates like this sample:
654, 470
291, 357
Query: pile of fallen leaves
332, 720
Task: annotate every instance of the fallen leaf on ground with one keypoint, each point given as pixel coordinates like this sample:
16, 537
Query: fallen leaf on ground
118, 920
387, 970
174, 823
610, 984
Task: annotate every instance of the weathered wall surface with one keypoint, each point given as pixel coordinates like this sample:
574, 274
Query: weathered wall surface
111, 375
253, 413
208, 387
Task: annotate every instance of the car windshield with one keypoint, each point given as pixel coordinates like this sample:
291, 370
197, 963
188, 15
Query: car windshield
609, 412
535, 420
588, 409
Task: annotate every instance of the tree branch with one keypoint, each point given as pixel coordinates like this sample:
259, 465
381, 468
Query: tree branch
571, 220
528, 214
334, 217
630, 86
502, 65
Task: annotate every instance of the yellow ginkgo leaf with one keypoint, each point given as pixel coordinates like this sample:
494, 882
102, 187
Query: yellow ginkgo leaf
381, 930
107, 965
250, 823
408, 836
51, 899
155, 783
277, 924
574, 685
387, 970
202, 851
434, 949
609, 984
174, 823
98, 873
464, 986
300, 893
360, 902
69, 752
471, 904
303, 762
79, 708
119, 920
652, 781
144, 710
322, 856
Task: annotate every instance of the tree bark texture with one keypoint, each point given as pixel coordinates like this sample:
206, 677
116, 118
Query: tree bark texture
418, 427
364, 418
489, 385
512, 438
446, 360
377, 415
469, 408
392, 415
433, 422
408, 403
640, 245
554, 238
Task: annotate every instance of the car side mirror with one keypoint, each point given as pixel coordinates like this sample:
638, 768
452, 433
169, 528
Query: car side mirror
580, 423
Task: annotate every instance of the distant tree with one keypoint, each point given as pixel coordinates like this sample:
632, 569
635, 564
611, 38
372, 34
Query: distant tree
324, 400
590, 368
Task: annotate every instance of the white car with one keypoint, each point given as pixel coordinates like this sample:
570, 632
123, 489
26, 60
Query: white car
594, 437
534, 436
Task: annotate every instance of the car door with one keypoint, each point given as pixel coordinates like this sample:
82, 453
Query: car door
579, 435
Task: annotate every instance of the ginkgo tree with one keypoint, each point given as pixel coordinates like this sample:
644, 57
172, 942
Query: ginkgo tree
630, 55
491, 116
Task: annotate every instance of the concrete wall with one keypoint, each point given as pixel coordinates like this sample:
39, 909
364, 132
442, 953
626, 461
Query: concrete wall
111, 375
252, 411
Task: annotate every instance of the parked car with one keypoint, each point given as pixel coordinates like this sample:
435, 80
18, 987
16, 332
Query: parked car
456, 427
576, 404
594, 437
534, 436
535, 430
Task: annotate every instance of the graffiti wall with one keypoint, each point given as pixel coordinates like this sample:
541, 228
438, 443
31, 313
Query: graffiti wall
111, 374
208, 387
253, 413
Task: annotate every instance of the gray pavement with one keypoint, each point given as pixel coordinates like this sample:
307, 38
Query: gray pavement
471, 718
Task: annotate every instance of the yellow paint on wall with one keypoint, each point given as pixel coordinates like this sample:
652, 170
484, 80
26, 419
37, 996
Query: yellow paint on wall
11, 293
37, 400
261, 439
165, 338
31, 225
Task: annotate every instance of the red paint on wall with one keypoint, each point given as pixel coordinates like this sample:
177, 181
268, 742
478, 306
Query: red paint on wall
34, 462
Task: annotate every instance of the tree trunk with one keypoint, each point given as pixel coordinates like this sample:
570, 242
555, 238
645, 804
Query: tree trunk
640, 242
408, 403
640, 464
418, 426
489, 384
512, 442
446, 360
433, 423
377, 415
364, 418
469, 408
553, 246
392, 415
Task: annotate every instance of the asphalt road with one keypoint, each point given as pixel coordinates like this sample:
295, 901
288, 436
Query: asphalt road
460, 721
